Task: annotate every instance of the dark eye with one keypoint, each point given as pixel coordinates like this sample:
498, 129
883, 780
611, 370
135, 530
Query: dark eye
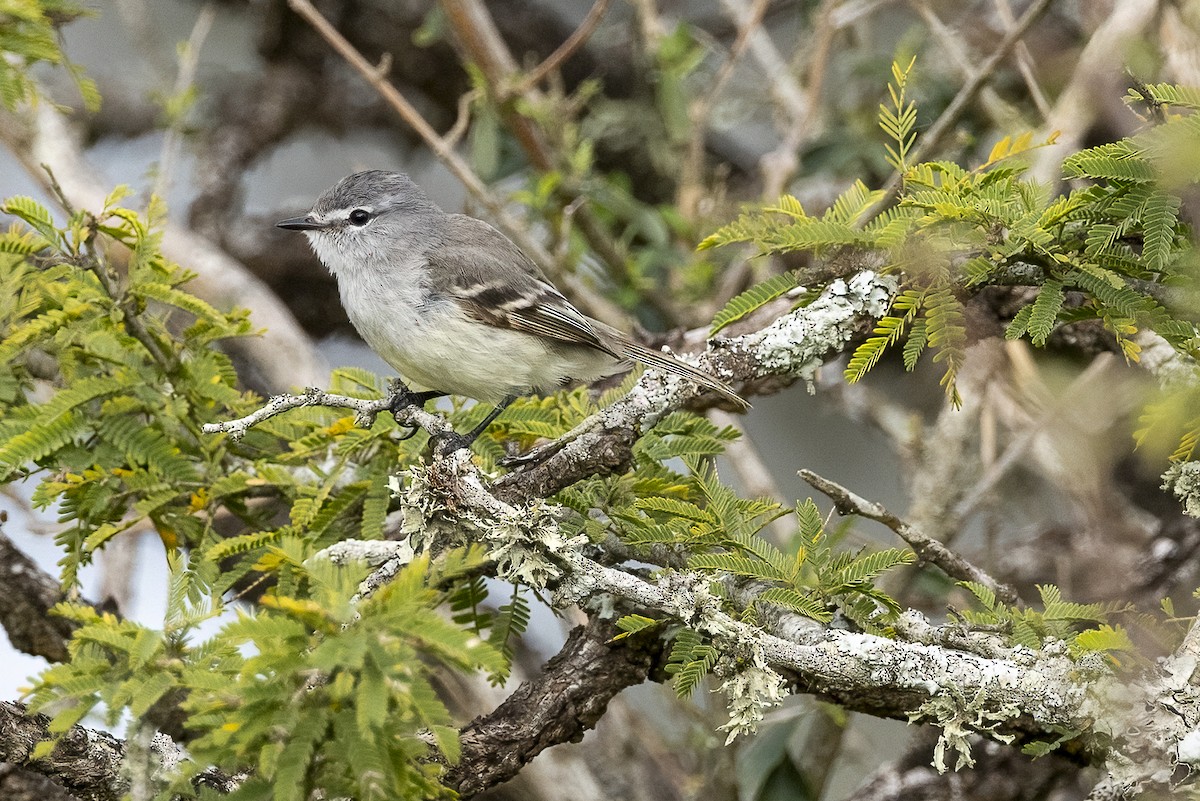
360, 216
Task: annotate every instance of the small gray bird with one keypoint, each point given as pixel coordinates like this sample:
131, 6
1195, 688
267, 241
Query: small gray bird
454, 305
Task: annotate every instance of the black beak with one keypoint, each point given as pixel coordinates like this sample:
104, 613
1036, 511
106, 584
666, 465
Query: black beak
305, 223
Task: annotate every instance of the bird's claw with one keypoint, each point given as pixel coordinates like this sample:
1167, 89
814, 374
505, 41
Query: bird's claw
452, 441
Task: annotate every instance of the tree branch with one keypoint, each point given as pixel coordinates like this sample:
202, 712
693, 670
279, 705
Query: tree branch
564, 51
568, 698
29, 593
926, 548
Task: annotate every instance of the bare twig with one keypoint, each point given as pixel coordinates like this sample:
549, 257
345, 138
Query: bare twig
1085, 383
365, 412
936, 132
564, 51
953, 44
463, 119
1024, 62
475, 31
926, 548
691, 185
189, 59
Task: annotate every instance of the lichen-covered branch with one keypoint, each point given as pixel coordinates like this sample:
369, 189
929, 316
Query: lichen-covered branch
365, 410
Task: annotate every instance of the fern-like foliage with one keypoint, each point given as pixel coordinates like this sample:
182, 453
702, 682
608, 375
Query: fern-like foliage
30, 36
1086, 628
1099, 252
690, 660
899, 119
754, 299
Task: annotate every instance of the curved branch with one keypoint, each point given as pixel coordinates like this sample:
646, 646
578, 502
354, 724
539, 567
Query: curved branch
29, 593
926, 548
569, 697
564, 51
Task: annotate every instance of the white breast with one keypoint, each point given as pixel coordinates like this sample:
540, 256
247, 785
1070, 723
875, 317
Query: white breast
434, 346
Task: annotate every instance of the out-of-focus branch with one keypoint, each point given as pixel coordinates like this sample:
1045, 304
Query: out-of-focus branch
1077, 104
481, 44
926, 548
1000, 773
568, 698
932, 138
1024, 62
952, 43
29, 593
189, 59
691, 190
564, 51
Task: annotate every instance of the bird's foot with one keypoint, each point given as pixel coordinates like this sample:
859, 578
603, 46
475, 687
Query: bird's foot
452, 441
403, 398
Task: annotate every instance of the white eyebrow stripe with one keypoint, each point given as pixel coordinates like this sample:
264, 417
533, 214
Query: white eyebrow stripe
338, 215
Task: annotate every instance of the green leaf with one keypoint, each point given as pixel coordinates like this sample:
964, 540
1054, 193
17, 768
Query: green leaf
738, 566
800, 603
753, 299
632, 624
1043, 313
35, 215
1160, 215
1105, 638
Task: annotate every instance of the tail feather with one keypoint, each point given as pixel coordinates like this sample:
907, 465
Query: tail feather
670, 364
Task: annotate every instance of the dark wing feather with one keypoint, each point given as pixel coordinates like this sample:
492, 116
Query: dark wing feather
480, 263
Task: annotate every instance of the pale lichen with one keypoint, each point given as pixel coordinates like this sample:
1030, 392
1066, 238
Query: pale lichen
751, 687
798, 343
1183, 479
524, 542
958, 718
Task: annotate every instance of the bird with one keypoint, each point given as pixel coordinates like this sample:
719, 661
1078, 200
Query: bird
455, 306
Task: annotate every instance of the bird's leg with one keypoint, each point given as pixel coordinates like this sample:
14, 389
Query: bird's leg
452, 441
403, 397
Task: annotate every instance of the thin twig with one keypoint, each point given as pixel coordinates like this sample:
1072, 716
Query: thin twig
927, 549
459, 128
189, 60
691, 186
1025, 62
1084, 383
365, 412
477, 35
564, 51
936, 132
